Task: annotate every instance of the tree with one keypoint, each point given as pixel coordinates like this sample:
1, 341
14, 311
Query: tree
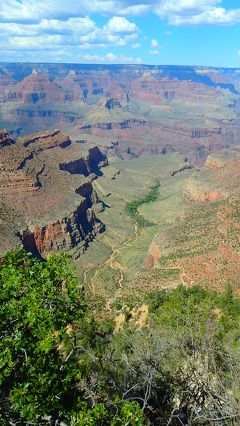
44, 334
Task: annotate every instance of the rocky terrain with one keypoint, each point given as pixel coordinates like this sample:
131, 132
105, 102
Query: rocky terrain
47, 200
129, 127
144, 109
188, 235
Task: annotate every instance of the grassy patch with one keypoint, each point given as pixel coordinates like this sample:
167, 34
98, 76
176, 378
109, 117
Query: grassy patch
132, 207
166, 273
107, 281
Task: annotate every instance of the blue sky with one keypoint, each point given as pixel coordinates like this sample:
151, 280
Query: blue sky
180, 32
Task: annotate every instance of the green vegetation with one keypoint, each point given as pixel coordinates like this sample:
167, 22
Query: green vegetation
61, 361
50, 347
132, 207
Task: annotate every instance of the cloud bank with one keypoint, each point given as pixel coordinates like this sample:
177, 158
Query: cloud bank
178, 12
69, 30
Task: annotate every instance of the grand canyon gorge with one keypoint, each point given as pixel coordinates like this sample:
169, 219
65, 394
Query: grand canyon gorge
84, 141
132, 172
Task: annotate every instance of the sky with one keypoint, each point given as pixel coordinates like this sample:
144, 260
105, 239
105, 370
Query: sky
170, 32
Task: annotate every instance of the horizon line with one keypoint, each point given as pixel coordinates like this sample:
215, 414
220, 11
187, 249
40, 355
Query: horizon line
119, 64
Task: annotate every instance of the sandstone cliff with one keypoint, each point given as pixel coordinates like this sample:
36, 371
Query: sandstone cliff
47, 207
147, 110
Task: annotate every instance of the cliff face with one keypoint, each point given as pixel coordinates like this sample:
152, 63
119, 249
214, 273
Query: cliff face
47, 140
86, 166
35, 88
145, 109
77, 230
139, 137
5, 140
113, 103
51, 208
6, 81
200, 244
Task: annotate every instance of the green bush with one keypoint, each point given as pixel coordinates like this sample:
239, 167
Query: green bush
59, 362
132, 207
43, 329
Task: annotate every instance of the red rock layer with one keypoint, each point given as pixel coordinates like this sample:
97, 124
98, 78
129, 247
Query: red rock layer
48, 215
37, 87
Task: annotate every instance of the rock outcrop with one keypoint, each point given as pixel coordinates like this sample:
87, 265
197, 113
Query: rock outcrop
77, 230
200, 193
149, 137
113, 103
85, 166
36, 88
5, 140
154, 255
201, 245
193, 111
47, 207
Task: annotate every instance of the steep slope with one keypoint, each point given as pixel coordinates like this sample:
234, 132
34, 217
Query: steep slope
145, 109
35, 88
188, 235
177, 125
46, 203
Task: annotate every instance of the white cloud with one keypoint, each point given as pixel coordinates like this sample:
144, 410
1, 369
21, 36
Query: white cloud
118, 24
178, 12
82, 25
138, 9
80, 33
184, 7
78, 25
197, 12
45, 42
34, 11
214, 16
29, 26
111, 58
154, 44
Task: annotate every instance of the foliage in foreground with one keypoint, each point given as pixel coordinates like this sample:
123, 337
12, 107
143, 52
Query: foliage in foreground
57, 363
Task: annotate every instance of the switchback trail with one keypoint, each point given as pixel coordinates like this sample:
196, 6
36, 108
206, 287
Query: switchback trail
132, 209
114, 264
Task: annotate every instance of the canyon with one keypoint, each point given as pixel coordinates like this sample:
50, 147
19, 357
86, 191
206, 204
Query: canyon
47, 199
143, 109
83, 141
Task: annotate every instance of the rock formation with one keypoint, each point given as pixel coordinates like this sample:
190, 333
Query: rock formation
113, 103
45, 207
36, 88
5, 140
201, 245
190, 110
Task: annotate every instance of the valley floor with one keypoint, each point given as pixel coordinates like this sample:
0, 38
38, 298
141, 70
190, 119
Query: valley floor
177, 242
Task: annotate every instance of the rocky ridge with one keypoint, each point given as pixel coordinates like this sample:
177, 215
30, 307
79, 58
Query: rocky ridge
43, 207
145, 109
201, 246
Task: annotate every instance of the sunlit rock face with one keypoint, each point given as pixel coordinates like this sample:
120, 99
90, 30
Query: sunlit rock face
145, 109
46, 207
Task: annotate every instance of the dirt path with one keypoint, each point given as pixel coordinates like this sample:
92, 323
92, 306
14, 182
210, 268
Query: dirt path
117, 266
113, 264
116, 252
